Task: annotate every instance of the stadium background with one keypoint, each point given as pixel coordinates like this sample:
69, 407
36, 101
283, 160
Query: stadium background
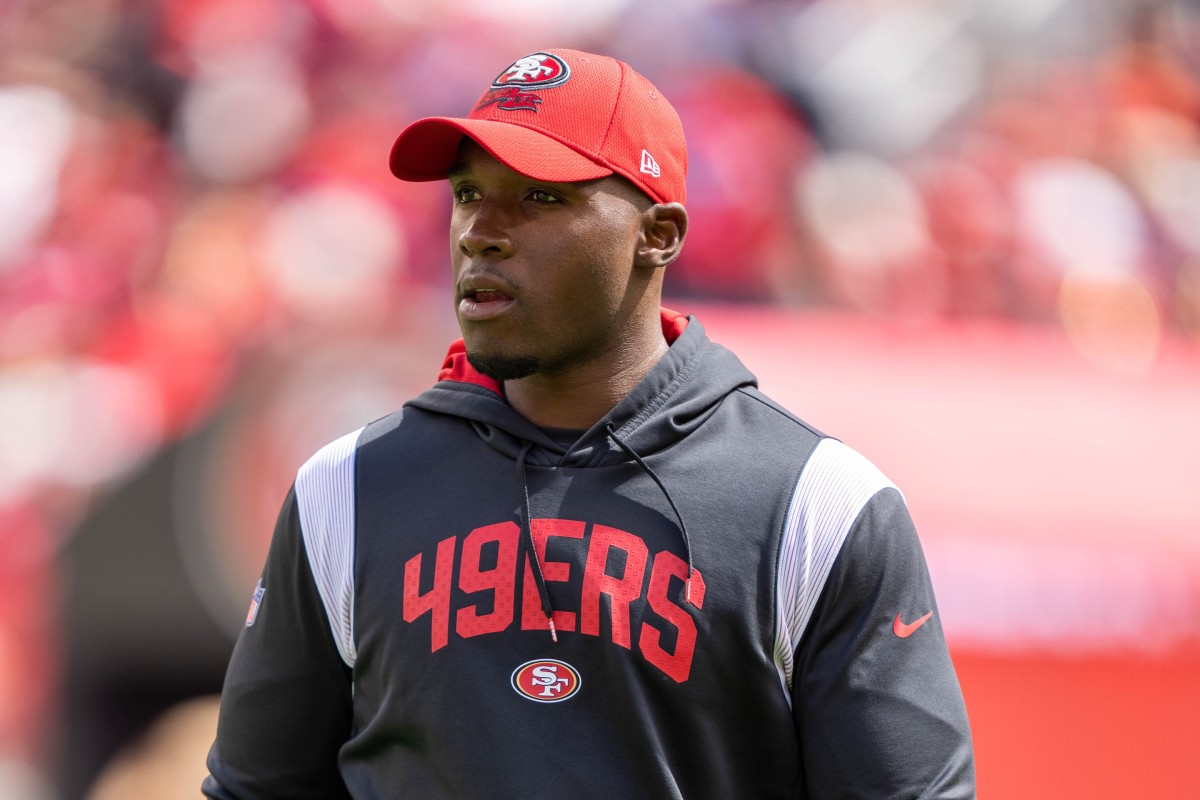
963, 236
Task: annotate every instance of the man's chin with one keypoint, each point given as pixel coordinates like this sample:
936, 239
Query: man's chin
503, 367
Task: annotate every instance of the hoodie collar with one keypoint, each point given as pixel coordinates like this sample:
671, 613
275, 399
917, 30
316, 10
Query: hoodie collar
676, 396
456, 367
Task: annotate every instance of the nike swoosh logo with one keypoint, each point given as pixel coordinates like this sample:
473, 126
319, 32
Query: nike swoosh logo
907, 629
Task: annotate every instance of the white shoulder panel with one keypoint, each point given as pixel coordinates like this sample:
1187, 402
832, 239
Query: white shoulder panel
325, 494
834, 487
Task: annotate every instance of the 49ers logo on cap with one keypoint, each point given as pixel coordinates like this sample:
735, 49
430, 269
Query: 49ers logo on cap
538, 71
546, 680
541, 70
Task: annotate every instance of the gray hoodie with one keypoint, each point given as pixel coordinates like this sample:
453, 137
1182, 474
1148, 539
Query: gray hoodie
740, 606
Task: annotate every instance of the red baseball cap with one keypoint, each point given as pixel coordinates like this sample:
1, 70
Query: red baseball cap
563, 116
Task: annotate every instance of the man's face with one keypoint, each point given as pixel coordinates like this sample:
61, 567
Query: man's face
542, 271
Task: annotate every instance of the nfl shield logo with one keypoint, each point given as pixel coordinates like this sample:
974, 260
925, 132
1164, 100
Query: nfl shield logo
255, 602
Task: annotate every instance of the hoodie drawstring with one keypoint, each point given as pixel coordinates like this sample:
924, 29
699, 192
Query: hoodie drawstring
527, 531
535, 560
687, 545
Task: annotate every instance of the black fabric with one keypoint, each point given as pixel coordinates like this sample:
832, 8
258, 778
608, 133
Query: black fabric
859, 679
297, 702
563, 437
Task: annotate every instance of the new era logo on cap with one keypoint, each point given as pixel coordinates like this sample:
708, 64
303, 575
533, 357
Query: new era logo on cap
650, 166
560, 115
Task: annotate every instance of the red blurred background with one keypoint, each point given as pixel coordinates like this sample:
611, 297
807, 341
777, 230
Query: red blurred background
963, 237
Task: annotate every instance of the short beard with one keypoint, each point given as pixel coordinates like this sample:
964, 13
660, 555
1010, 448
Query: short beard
502, 367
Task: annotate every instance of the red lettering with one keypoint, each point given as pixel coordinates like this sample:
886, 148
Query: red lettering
532, 616
677, 665
500, 580
621, 591
604, 545
437, 600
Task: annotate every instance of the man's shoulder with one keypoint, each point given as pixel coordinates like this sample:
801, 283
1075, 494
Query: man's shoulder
336, 457
774, 412
343, 450
828, 461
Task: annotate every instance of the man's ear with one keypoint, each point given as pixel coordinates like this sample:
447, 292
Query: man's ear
664, 227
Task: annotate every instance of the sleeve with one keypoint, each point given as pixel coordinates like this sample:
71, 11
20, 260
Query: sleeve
286, 704
877, 704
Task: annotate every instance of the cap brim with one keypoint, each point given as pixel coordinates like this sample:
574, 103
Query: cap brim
426, 149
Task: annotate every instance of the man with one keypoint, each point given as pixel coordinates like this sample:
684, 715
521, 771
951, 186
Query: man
593, 561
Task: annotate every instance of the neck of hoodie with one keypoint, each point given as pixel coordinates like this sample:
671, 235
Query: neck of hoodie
669, 401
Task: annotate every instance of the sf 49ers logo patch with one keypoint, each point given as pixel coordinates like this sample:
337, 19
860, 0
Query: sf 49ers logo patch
536, 71
546, 680
541, 70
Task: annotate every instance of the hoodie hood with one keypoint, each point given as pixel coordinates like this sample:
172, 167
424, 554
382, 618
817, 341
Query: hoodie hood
678, 394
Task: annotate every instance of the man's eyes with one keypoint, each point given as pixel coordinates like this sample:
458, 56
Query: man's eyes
467, 194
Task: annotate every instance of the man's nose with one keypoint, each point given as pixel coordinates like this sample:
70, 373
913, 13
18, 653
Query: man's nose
486, 232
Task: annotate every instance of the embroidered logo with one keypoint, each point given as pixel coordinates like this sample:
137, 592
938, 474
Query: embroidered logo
649, 165
542, 70
546, 680
511, 99
255, 603
536, 71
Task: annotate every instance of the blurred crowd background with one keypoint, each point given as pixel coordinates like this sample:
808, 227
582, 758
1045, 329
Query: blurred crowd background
206, 272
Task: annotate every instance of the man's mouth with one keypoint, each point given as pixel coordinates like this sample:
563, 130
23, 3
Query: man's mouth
482, 303
486, 296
